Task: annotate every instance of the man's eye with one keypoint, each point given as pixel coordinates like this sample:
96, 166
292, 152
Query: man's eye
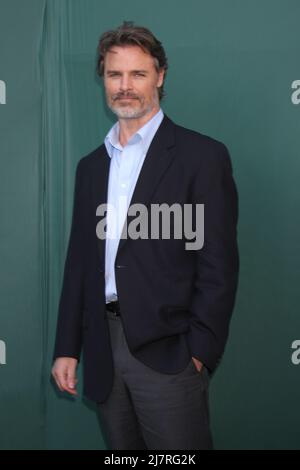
140, 74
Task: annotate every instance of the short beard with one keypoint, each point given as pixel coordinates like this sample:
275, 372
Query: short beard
127, 113
131, 113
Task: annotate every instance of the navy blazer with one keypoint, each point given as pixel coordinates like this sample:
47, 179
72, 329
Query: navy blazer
175, 303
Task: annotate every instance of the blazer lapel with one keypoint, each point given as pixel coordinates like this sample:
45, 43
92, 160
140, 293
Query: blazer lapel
99, 191
156, 163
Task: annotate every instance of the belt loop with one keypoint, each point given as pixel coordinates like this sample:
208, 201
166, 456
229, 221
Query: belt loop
113, 307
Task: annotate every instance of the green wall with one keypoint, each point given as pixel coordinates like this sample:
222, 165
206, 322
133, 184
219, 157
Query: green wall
22, 320
232, 65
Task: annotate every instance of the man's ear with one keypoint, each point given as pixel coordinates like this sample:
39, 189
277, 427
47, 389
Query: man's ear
161, 76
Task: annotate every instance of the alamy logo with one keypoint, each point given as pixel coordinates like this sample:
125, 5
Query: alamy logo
295, 358
2, 352
296, 94
161, 222
2, 92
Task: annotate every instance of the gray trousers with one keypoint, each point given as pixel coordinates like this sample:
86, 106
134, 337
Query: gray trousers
147, 409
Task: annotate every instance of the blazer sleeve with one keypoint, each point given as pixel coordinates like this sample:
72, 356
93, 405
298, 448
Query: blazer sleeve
217, 263
68, 339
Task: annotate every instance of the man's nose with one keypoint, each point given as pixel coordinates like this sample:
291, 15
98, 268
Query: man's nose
125, 83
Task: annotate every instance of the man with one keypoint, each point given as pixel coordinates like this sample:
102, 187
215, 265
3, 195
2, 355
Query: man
151, 314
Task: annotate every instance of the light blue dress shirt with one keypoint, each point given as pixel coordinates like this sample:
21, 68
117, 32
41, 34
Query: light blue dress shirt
126, 163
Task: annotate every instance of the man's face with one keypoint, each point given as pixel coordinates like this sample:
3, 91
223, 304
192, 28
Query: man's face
131, 82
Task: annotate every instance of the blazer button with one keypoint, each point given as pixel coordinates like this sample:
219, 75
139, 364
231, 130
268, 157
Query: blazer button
120, 266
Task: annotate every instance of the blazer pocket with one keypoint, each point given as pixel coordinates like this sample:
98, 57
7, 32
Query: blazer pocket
178, 316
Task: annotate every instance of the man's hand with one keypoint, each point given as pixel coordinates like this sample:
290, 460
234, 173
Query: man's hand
64, 373
198, 364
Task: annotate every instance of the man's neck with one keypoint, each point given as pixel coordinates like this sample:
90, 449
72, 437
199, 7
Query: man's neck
128, 127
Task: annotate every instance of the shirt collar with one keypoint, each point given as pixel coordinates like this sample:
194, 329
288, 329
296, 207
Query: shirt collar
144, 135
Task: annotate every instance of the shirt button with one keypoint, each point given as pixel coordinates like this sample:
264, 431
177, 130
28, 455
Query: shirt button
123, 185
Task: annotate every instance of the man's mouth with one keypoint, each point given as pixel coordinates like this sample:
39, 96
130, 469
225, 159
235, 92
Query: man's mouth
126, 98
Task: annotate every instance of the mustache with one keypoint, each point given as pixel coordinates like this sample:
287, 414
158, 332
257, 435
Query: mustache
122, 95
